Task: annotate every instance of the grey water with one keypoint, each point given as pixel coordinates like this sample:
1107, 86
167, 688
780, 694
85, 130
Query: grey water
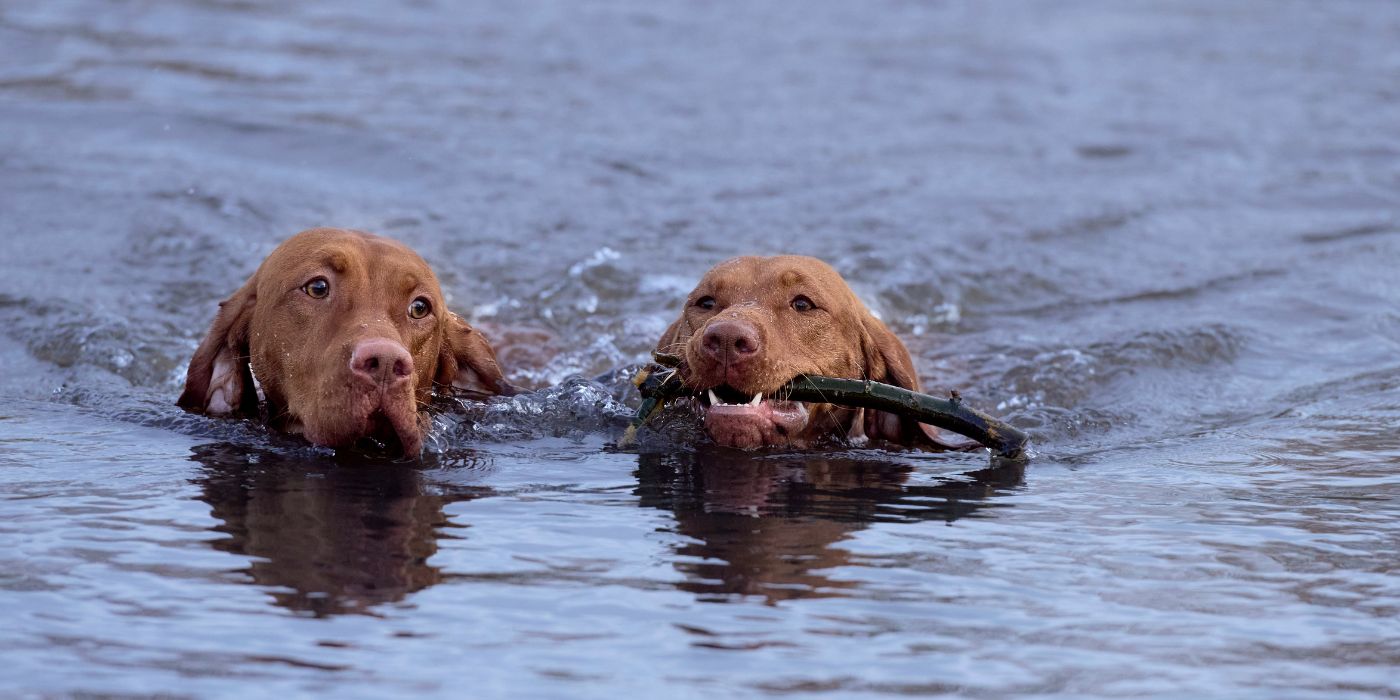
1160, 237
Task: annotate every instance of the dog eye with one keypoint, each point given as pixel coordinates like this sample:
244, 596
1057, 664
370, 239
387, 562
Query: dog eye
802, 303
705, 303
318, 288
419, 308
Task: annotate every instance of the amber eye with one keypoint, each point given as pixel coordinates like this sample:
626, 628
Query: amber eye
419, 308
705, 303
801, 303
318, 288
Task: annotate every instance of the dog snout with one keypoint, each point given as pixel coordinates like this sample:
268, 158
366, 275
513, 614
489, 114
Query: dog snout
381, 362
731, 342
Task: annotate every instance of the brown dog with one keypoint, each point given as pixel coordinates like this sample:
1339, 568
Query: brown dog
753, 324
346, 332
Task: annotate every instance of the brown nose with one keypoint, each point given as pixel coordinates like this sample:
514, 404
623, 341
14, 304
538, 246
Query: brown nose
731, 341
382, 362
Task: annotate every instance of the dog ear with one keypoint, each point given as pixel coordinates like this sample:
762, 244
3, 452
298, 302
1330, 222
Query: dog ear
219, 381
467, 362
888, 361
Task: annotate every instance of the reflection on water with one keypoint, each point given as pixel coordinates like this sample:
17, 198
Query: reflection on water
346, 534
329, 537
771, 526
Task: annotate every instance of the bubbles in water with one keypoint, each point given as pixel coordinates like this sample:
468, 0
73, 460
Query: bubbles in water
599, 257
574, 408
674, 285
121, 358
943, 315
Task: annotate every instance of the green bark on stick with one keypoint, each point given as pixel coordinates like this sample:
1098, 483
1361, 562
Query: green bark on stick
661, 383
949, 414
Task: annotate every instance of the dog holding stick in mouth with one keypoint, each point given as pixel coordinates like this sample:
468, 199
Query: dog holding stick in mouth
753, 324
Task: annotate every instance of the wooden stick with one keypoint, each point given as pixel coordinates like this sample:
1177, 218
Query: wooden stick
661, 383
949, 413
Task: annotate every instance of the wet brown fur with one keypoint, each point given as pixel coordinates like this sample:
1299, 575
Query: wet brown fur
299, 347
839, 338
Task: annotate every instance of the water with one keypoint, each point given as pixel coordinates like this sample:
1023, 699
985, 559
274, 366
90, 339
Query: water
1161, 238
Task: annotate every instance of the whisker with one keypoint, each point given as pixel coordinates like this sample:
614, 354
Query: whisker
830, 413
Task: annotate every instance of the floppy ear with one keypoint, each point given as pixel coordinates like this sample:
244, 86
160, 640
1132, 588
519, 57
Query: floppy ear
219, 381
888, 361
468, 363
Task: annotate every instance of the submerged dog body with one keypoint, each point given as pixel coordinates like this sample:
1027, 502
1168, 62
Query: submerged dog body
753, 324
346, 333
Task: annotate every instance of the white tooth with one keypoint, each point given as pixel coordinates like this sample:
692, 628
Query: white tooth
757, 399
714, 400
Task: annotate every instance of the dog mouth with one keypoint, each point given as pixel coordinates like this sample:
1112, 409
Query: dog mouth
384, 435
739, 419
373, 424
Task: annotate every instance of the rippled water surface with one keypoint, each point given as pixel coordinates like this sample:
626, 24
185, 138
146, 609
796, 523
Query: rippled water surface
1161, 237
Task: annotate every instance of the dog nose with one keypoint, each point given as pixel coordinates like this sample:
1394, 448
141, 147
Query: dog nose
734, 341
381, 361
